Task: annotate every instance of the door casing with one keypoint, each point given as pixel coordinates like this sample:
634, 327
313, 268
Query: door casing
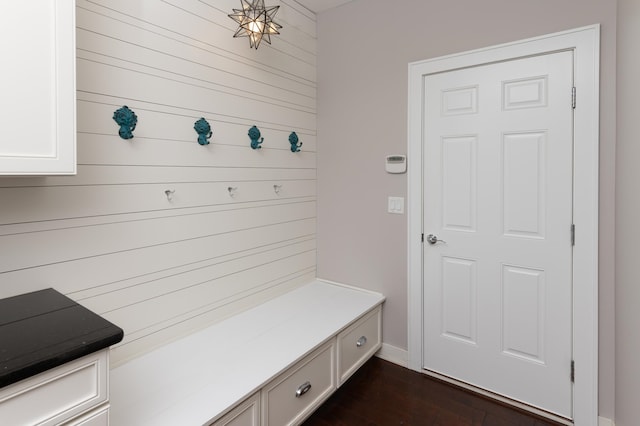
585, 42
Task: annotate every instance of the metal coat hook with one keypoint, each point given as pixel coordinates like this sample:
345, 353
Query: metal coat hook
295, 143
203, 129
277, 188
232, 191
169, 193
254, 135
127, 120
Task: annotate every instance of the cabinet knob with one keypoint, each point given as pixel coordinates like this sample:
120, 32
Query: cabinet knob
303, 388
361, 341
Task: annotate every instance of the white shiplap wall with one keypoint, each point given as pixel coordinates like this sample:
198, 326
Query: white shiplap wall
109, 237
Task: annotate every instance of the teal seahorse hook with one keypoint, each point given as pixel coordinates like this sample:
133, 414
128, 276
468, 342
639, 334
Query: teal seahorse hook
127, 120
203, 129
293, 140
254, 135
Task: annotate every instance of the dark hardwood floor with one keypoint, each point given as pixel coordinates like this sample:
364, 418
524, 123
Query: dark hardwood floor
384, 394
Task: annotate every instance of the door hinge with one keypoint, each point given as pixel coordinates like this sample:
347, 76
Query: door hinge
573, 97
422, 238
573, 371
573, 234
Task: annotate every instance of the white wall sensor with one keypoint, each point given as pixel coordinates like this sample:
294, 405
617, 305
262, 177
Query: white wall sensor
396, 163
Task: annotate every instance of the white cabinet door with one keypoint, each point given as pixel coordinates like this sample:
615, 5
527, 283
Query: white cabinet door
37, 87
57, 395
97, 417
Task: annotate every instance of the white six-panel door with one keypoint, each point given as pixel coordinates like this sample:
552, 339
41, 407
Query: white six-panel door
498, 170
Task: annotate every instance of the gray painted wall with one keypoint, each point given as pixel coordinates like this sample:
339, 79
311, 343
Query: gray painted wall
627, 213
363, 51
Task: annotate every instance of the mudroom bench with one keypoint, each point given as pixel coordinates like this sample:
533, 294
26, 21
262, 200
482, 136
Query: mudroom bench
271, 365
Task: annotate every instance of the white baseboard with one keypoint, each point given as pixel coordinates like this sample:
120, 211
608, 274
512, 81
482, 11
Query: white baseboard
394, 354
603, 421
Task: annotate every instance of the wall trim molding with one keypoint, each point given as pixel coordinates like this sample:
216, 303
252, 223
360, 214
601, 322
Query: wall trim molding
394, 354
603, 421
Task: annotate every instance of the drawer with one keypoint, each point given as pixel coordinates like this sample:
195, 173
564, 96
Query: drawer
246, 413
358, 343
291, 397
57, 395
99, 417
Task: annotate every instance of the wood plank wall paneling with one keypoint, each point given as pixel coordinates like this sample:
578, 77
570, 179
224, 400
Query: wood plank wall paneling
109, 237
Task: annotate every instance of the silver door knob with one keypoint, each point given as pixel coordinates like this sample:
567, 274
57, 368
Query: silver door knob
432, 239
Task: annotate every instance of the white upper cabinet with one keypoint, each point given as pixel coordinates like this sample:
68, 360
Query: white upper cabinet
37, 87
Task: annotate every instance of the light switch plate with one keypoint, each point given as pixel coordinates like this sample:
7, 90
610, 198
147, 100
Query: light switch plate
395, 205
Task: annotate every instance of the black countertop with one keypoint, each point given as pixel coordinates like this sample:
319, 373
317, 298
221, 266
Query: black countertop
45, 329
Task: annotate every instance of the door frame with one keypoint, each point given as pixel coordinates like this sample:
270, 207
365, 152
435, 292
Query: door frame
585, 42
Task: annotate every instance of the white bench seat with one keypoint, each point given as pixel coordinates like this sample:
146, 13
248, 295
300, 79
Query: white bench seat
198, 378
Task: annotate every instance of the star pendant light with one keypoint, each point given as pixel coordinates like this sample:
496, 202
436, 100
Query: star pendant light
256, 21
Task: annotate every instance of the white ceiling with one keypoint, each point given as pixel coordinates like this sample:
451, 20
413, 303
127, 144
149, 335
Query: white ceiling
318, 6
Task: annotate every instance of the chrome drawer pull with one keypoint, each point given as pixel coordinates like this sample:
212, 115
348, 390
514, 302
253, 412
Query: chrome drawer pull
302, 389
361, 341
